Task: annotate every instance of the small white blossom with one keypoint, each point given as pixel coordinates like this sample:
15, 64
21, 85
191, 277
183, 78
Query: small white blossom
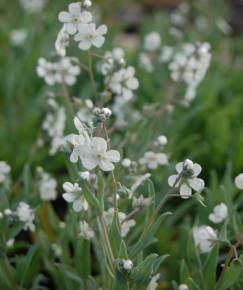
112, 61
73, 195
26, 215
152, 160
95, 154
153, 284
141, 201
74, 17
126, 162
4, 171
62, 42
85, 230
8, 212
162, 140
33, 6
18, 37
205, 238
166, 54
127, 264
183, 287
57, 249
152, 41
85, 175
89, 35
146, 62
47, 185
47, 71
66, 71
219, 213
123, 83
10, 243
187, 178
239, 181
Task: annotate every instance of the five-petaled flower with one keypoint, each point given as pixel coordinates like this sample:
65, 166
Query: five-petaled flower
187, 178
74, 17
73, 195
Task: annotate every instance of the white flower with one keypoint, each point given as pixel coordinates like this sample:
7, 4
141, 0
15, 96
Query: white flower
141, 201
95, 154
187, 178
239, 181
85, 175
152, 41
73, 195
33, 6
205, 238
85, 230
66, 71
123, 83
125, 224
112, 61
18, 37
183, 287
145, 62
88, 35
127, 264
153, 284
10, 243
47, 71
74, 17
167, 52
126, 162
57, 249
162, 140
26, 215
47, 185
62, 42
152, 160
219, 213
4, 170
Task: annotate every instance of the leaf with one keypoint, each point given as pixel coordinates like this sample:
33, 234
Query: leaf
123, 254
92, 283
209, 269
114, 234
92, 200
231, 274
69, 272
145, 241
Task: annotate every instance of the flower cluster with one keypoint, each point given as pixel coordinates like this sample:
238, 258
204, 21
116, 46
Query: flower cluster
47, 185
189, 65
77, 22
64, 71
54, 125
26, 215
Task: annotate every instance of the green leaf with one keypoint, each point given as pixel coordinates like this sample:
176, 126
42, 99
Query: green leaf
123, 254
145, 241
92, 283
92, 200
232, 274
209, 269
114, 234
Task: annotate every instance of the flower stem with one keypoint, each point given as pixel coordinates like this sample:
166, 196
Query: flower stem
91, 74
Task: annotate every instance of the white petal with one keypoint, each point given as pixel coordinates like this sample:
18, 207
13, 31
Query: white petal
86, 17
89, 162
64, 16
196, 169
106, 165
69, 197
179, 167
74, 8
162, 158
84, 44
197, 184
113, 156
83, 30
70, 28
68, 186
132, 83
98, 41
77, 205
102, 29
185, 191
172, 179
98, 144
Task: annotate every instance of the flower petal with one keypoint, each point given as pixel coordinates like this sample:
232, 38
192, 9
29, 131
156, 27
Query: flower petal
113, 156
172, 179
98, 41
106, 165
77, 205
64, 16
74, 8
102, 29
89, 162
196, 169
68, 186
185, 191
70, 28
197, 184
84, 44
179, 167
98, 144
69, 197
